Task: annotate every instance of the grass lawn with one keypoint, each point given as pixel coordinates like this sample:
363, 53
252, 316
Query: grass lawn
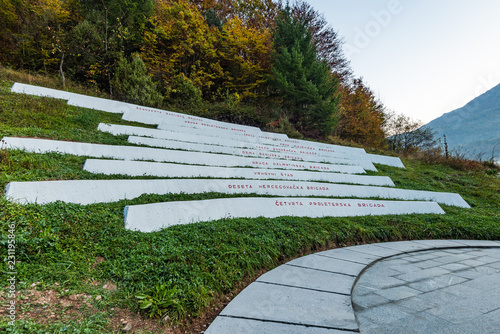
79, 271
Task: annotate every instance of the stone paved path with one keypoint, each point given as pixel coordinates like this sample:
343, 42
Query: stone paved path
439, 291
422, 286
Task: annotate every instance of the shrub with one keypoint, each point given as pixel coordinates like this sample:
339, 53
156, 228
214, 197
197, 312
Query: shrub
185, 93
131, 83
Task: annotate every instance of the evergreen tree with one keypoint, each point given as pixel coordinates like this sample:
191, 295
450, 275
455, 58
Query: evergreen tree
303, 80
132, 83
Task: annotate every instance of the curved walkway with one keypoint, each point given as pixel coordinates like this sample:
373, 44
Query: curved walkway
312, 294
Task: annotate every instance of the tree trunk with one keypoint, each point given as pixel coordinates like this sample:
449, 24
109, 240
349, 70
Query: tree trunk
61, 70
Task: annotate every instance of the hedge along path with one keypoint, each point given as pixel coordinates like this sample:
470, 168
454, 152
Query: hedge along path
99, 191
159, 169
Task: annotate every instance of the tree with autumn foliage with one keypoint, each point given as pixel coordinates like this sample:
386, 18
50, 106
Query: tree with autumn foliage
180, 47
362, 116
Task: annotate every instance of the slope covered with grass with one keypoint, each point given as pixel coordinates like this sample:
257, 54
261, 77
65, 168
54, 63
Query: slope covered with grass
78, 250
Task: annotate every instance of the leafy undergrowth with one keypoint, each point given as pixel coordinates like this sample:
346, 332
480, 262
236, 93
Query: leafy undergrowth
184, 274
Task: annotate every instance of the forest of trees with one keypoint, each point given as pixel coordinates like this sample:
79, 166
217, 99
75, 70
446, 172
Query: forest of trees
281, 59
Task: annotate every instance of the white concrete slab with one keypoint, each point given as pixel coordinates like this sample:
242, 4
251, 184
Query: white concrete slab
97, 103
257, 153
168, 135
164, 155
220, 141
97, 191
305, 147
143, 168
322, 147
168, 119
41, 91
386, 160
226, 132
152, 217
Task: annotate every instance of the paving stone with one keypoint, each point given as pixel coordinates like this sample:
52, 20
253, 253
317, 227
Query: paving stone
454, 258
420, 256
418, 323
362, 290
415, 304
328, 264
455, 313
388, 268
422, 274
486, 259
397, 293
292, 305
361, 302
226, 325
309, 279
403, 246
437, 297
435, 283
441, 243
462, 291
479, 243
476, 272
495, 265
349, 255
428, 264
485, 282
453, 267
376, 282
381, 314
472, 263
375, 250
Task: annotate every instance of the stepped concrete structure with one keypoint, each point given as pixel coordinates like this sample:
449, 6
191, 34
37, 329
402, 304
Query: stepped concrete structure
425, 286
290, 177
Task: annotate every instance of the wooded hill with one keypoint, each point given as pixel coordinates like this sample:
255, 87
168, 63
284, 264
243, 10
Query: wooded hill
260, 62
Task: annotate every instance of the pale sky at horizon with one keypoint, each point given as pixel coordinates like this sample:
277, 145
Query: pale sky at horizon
422, 58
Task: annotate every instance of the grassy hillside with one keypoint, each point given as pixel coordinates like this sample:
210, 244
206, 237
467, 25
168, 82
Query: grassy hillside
79, 270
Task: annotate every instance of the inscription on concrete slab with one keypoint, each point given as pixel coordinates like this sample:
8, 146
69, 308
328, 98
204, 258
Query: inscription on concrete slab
219, 141
164, 155
96, 191
259, 153
144, 168
152, 217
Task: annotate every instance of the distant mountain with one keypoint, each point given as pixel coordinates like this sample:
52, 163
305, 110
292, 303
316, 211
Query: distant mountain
474, 129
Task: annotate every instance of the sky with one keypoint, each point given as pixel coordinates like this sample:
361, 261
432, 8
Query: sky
421, 58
